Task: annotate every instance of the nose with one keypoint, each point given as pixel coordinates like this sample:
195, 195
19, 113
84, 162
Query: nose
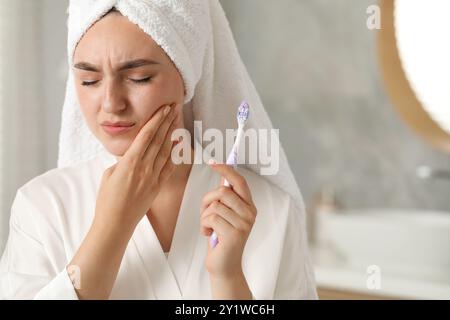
113, 98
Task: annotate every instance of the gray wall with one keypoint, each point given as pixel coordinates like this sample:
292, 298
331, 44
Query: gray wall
54, 59
33, 96
315, 66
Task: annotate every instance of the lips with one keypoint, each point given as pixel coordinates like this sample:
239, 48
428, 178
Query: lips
116, 128
118, 124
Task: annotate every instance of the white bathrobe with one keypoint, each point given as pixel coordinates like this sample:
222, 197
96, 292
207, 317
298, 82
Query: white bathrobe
52, 213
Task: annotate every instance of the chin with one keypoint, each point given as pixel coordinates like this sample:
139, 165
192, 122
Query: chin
117, 148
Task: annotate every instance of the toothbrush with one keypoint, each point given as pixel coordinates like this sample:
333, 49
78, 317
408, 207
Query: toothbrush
242, 117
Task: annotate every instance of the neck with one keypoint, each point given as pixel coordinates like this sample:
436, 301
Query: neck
180, 175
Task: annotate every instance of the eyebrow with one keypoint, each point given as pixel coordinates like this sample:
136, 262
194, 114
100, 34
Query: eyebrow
123, 66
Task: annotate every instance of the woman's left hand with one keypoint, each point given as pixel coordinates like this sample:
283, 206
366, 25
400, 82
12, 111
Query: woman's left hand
231, 213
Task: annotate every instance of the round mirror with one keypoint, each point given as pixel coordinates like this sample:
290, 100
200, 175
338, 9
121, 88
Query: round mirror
414, 56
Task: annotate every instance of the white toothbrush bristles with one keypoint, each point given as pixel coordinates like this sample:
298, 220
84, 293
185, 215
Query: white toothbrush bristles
243, 112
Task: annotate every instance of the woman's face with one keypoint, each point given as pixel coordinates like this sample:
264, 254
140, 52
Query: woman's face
121, 74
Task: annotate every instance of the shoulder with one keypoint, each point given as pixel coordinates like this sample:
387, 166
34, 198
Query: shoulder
58, 191
54, 209
59, 180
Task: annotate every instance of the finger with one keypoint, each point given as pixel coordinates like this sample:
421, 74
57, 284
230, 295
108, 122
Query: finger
206, 231
110, 169
145, 135
165, 151
229, 215
218, 224
159, 138
237, 181
230, 199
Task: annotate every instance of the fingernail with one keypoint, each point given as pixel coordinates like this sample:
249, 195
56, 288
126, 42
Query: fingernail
213, 240
166, 110
212, 162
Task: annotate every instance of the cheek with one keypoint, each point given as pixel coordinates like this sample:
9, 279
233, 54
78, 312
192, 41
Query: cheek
147, 99
88, 105
176, 88
170, 85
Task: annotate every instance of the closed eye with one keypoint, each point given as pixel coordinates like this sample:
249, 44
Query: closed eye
141, 80
90, 83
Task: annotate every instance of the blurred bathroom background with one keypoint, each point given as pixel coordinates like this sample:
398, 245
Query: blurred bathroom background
315, 64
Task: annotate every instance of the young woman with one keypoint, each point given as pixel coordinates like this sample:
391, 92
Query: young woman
118, 219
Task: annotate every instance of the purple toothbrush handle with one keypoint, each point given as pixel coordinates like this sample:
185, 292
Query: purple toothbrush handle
231, 161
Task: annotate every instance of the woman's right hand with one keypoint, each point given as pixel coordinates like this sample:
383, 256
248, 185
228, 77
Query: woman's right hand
128, 188
126, 192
